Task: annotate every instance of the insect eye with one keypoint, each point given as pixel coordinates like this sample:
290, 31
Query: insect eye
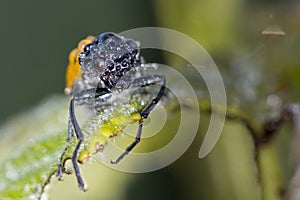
104, 36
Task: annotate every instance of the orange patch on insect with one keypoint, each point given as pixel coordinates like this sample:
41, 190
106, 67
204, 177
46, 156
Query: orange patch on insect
73, 72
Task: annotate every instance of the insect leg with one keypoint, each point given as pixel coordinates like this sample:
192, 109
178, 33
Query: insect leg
80, 180
132, 145
154, 101
74, 122
59, 172
73, 126
70, 129
80, 137
143, 82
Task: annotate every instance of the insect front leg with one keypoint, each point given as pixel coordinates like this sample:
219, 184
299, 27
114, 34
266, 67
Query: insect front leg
70, 129
74, 129
73, 126
80, 181
80, 137
143, 82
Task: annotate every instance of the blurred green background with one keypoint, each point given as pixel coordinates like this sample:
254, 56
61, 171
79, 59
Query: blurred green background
255, 58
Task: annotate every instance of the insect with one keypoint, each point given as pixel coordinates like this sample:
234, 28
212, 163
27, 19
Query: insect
100, 70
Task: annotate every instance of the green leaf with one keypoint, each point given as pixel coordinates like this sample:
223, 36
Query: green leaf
40, 135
